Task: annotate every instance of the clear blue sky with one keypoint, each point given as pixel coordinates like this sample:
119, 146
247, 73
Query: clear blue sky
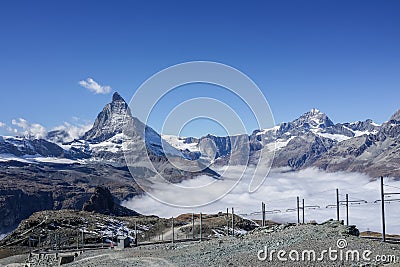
342, 57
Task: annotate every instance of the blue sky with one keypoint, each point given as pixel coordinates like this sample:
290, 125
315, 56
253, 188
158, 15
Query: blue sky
341, 57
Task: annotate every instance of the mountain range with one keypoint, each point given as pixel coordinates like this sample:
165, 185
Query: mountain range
312, 140
57, 173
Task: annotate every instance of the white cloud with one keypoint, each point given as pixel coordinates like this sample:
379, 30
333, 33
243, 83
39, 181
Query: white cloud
2, 124
27, 129
73, 131
279, 192
93, 86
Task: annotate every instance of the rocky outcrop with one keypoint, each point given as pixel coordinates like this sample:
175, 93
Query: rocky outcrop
27, 188
102, 201
396, 116
302, 151
16, 205
20, 146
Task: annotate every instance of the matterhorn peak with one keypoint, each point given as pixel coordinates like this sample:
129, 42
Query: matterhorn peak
110, 120
117, 97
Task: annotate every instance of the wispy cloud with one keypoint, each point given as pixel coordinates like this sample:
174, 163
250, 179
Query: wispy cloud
27, 129
94, 86
2, 124
72, 131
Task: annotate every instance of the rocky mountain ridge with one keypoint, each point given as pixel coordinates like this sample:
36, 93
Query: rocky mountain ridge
313, 140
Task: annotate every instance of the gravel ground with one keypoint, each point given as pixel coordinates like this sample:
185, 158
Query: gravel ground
244, 250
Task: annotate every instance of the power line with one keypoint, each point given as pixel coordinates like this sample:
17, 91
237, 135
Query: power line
392, 186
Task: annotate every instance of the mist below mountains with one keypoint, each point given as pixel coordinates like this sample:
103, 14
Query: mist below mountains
279, 192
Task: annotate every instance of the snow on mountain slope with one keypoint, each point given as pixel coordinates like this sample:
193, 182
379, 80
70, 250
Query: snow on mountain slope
182, 143
296, 143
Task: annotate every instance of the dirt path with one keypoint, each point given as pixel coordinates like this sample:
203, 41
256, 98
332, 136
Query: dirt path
168, 234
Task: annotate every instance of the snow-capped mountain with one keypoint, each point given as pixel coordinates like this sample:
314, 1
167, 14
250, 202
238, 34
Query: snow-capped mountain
110, 121
312, 140
22, 147
104, 141
376, 153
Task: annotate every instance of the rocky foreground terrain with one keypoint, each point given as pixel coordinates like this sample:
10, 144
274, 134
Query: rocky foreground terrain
250, 248
27, 188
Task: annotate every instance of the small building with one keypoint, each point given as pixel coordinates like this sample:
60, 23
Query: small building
122, 242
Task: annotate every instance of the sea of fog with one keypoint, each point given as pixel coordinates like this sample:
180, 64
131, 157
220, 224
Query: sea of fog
279, 191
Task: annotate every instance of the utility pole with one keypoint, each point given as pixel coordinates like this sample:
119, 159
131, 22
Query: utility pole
298, 210
227, 221
303, 210
383, 211
347, 209
192, 225
263, 213
173, 233
201, 226
233, 222
136, 239
83, 239
337, 204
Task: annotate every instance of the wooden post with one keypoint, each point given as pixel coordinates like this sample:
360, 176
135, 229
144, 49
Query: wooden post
201, 226
265, 219
112, 239
136, 239
263, 214
347, 209
83, 240
337, 204
56, 240
233, 222
298, 210
227, 221
193, 225
173, 231
303, 210
383, 211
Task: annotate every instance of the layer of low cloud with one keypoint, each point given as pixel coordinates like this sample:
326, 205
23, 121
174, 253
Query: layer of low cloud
31, 130
94, 86
279, 192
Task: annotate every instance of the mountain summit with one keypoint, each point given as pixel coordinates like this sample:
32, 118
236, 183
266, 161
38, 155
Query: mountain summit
110, 120
117, 97
396, 116
313, 119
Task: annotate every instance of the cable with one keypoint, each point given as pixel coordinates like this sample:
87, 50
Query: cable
392, 186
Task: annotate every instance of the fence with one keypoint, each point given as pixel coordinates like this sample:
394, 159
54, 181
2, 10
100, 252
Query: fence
341, 201
199, 226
